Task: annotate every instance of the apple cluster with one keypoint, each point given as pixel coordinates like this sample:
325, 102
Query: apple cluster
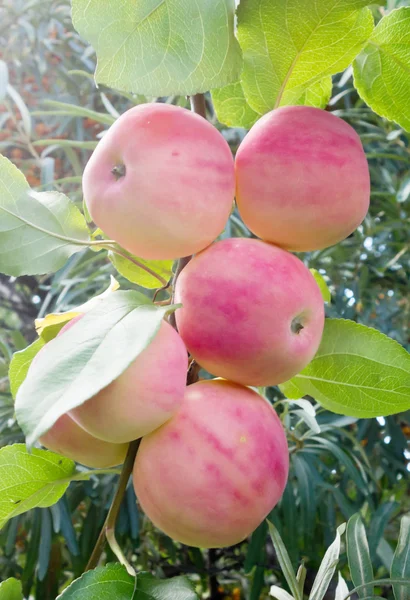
213, 460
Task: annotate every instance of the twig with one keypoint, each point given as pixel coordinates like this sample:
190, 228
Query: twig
108, 530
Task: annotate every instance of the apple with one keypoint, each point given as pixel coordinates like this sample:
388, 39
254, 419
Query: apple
252, 312
69, 439
302, 179
143, 397
209, 476
161, 182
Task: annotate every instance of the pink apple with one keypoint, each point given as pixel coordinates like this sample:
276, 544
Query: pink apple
252, 312
210, 475
69, 439
143, 397
302, 179
161, 182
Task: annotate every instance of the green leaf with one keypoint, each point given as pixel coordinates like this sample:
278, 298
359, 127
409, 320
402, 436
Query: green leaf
358, 555
400, 568
20, 364
75, 366
11, 589
378, 524
31, 480
322, 285
39, 231
289, 47
382, 69
232, 108
327, 567
284, 561
192, 47
137, 274
357, 371
318, 94
177, 588
111, 581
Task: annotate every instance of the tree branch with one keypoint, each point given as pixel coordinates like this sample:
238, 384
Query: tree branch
108, 530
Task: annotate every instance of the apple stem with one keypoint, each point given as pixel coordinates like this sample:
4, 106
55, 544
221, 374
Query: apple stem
107, 532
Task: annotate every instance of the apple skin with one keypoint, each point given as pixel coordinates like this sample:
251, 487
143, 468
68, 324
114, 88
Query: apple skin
143, 397
252, 312
69, 439
302, 179
179, 184
209, 476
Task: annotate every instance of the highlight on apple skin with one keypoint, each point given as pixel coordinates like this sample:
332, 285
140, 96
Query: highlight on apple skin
302, 179
69, 439
143, 397
161, 182
209, 476
252, 312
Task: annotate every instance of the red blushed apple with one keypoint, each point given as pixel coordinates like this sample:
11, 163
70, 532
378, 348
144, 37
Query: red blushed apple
252, 312
69, 439
161, 182
302, 179
143, 397
209, 476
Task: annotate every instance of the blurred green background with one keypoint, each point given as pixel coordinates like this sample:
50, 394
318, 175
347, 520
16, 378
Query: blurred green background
51, 116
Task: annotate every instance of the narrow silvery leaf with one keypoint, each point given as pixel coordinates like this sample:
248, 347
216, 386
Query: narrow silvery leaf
284, 561
327, 567
279, 593
358, 555
401, 561
4, 79
342, 590
308, 419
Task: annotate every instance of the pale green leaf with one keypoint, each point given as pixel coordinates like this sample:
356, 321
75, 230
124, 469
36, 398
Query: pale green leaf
382, 69
358, 555
28, 480
357, 371
161, 47
39, 231
20, 364
327, 567
75, 366
232, 108
400, 567
140, 273
11, 589
291, 46
322, 285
